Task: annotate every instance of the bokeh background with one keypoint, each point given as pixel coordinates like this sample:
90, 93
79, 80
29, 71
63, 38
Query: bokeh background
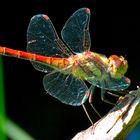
114, 29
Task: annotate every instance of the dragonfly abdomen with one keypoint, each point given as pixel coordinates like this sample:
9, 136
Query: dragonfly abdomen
52, 61
55, 61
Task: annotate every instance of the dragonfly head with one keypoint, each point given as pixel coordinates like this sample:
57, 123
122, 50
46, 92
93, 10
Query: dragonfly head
117, 66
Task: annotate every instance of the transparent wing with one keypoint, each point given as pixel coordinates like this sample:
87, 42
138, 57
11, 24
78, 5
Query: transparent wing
110, 83
42, 39
75, 32
65, 88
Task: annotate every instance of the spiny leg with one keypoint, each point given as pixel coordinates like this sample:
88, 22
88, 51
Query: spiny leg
92, 87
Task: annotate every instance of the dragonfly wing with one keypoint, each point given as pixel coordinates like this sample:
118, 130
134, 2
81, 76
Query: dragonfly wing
75, 32
42, 39
65, 88
114, 84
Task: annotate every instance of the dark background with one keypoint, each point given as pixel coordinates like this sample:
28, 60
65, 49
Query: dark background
114, 29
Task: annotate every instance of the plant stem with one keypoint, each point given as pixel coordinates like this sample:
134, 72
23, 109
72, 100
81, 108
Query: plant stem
2, 103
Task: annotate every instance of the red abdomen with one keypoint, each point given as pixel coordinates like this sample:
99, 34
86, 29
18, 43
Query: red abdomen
52, 61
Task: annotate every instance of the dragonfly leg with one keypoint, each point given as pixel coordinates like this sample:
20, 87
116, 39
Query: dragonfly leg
85, 110
91, 99
87, 114
118, 93
104, 98
113, 94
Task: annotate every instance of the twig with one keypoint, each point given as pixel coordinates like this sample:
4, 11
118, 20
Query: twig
118, 122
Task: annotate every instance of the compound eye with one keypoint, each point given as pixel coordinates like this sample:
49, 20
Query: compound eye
114, 60
117, 66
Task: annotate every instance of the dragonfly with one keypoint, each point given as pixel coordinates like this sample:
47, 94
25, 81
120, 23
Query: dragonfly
68, 62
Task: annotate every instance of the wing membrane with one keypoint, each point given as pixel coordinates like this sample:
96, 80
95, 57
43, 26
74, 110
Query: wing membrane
110, 83
75, 32
42, 39
65, 88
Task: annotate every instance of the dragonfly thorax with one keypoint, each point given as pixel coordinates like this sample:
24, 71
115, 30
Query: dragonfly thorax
88, 65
